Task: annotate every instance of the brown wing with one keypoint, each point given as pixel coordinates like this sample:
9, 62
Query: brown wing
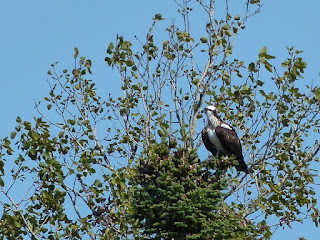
206, 141
231, 143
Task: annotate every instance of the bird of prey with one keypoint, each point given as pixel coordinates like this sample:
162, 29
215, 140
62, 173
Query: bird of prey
221, 139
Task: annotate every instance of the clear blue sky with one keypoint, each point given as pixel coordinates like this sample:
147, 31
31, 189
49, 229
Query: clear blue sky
36, 33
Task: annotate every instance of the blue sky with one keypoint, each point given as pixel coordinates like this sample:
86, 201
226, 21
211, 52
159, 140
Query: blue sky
36, 33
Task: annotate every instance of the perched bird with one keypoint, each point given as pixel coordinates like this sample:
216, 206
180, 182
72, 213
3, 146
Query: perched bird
221, 139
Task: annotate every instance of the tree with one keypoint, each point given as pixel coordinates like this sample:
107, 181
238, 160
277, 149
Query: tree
131, 166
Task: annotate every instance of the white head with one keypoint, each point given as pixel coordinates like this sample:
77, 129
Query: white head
210, 108
213, 118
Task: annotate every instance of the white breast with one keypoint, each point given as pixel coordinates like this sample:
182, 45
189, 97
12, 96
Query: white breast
215, 140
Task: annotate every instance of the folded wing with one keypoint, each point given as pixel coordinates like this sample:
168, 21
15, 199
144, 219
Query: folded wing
231, 143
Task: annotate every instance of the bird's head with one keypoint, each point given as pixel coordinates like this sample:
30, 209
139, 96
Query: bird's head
210, 111
212, 115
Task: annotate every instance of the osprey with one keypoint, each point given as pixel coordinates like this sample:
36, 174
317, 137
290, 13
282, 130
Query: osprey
221, 139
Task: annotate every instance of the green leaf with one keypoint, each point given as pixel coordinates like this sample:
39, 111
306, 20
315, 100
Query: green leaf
13, 135
268, 66
130, 63
158, 17
204, 40
262, 93
76, 52
235, 29
267, 56
225, 27
260, 83
251, 67
1, 182
254, 1
97, 183
135, 87
88, 65
46, 155
86, 122
6, 143
263, 54
9, 151
229, 33
111, 46
27, 125
262, 207
71, 121
17, 224
263, 51
34, 135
